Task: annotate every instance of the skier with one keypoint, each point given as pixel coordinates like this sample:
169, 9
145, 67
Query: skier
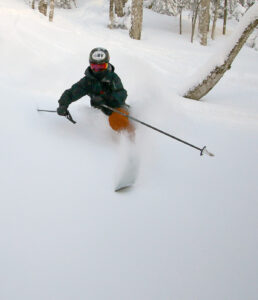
103, 86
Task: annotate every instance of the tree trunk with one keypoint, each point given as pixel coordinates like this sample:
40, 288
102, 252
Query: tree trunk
225, 16
137, 13
119, 8
180, 19
111, 14
215, 19
204, 21
43, 7
194, 19
33, 4
216, 74
51, 12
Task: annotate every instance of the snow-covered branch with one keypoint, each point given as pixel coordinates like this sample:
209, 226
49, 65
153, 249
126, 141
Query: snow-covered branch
213, 71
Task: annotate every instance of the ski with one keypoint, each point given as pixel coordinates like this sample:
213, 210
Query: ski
127, 165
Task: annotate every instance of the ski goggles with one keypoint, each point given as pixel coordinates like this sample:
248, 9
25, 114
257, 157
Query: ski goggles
98, 67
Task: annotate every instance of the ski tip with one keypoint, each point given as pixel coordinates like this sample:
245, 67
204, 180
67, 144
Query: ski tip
123, 188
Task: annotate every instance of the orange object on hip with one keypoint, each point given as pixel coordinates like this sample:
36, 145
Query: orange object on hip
119, 122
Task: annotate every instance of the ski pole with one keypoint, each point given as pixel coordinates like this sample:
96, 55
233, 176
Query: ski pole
202, 150
68, 116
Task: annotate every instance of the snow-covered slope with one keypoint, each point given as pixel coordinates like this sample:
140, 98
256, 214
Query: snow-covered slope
187, 230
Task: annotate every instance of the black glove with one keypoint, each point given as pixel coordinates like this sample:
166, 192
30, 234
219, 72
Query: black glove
97, 101
62, 110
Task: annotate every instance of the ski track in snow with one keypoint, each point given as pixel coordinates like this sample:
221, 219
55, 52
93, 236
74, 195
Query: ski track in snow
187, 229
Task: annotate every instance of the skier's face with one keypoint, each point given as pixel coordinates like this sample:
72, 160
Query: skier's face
99, 67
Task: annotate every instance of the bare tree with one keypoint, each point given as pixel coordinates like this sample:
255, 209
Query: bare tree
194, 17
111, 14
216, 74
180, 8
51, 12
225, 16
204, 21
118, 14
136, 19
119, 8
215, 17
43, 7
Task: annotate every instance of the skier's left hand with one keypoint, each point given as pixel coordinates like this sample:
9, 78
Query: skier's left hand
62, 110
97, 101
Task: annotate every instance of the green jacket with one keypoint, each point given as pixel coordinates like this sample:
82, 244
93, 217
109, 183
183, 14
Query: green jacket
108, 85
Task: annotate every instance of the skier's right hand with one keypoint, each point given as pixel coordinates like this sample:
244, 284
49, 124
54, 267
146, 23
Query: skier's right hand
62, 110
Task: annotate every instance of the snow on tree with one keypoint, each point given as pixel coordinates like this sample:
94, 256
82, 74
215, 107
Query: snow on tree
236, 10
58, 3
253, 40
119, 14
148, 3
63, 3
167, 7
221, 62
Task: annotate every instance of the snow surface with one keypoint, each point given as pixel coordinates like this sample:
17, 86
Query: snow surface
188, 229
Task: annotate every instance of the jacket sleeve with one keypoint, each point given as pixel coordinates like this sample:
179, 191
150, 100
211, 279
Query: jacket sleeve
78, 90
118, 94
